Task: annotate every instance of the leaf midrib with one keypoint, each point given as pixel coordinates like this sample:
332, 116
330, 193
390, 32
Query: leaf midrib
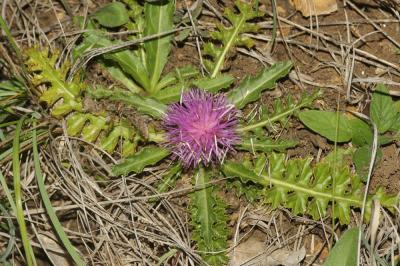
267, 180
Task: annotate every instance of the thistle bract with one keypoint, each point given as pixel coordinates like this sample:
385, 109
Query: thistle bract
201, 128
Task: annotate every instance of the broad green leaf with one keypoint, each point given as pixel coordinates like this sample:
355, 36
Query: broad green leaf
118, 75
170, 94
249, 90
149, 155
328, 124
361, 160
158, 18
112, 15
216, 84
344, 253
383, 110
361, 132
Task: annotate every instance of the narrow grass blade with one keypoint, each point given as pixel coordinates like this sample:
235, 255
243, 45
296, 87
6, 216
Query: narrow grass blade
50, 211
30, 257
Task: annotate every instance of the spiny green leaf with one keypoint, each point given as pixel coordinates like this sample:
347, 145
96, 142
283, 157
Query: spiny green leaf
147, 156
328, 124
307, 189
42, 66
345, 250
209, 221
229, 37
144, 105
158, 18
282, 111
169, 179
249, 90
382, 111
254, 144
111, 15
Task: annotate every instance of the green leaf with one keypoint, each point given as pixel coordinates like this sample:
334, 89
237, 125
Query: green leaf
283, 109
216, 84
327, 123
144, 105
42, 66
383, 111
361, 132
49, 208
19, 211
119, 76
232, 36
306, 188
169, 179
345, 250
149, 155
265, 145
158, 18
209, 221
112, 15
130, 63
362, 158
178, 74
249, 90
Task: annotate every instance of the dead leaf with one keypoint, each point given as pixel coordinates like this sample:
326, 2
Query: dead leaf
315, 7
55, 252
255, 252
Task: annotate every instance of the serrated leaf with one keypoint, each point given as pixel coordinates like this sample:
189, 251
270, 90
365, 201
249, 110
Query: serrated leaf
265, 145
216, 84
111, 15
307, 189
159, 19
144, 105
382, 111
231, 36
149, 155
327, 123
42, 66
249, 90
283, 111
209, 221
345, 250
169, 179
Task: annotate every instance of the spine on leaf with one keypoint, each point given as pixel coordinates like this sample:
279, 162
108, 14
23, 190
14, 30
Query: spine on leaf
307, 189
65, 100
209, 221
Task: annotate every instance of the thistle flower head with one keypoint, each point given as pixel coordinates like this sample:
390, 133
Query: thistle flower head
201, 128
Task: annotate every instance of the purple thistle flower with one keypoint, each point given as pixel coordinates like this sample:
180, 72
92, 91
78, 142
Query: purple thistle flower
201, 128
